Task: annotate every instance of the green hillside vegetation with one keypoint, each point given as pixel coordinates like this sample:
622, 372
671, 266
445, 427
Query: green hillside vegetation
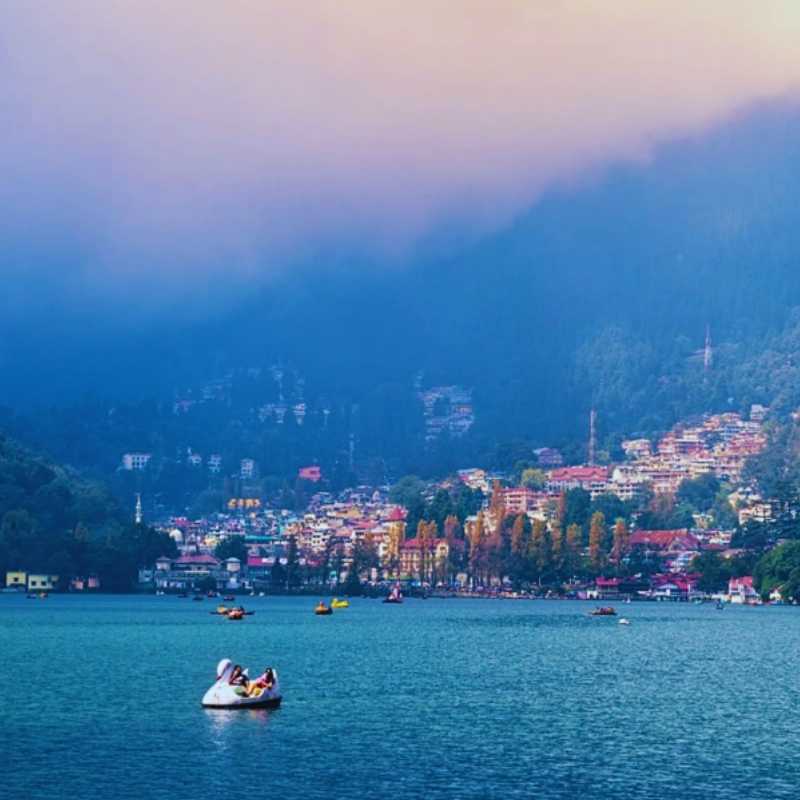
51, 521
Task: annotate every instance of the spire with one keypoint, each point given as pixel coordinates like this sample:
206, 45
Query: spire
137, 517
592, 436
707, 352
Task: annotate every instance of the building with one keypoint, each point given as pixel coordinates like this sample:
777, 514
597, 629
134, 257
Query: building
518, 500
435, 553
42, 582
673, 541
248, 469
16, 580
135, 461
548, 457
742, 591
591, 479
313, 474
215, 463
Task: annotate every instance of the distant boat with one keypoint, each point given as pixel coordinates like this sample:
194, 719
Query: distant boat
395, 596
624, 621
604, 611
322, 610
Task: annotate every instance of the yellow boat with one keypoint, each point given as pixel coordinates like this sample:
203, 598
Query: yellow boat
222, 609
337, 603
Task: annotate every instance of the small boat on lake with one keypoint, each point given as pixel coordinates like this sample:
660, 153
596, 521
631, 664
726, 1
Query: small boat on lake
624, 621
337, 603
604, 611
322, 610
395, 596
264, 692
229, 598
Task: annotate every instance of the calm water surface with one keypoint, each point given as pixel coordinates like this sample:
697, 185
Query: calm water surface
100, 697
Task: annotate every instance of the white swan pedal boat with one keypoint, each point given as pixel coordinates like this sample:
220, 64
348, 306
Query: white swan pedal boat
223, 695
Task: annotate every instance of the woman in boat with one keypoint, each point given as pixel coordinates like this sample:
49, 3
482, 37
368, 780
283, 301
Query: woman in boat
237, 678
263, 682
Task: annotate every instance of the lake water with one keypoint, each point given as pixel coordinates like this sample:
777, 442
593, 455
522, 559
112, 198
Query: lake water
447, 699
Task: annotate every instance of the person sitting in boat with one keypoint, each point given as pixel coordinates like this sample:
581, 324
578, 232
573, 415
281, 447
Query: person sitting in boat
238, 677
263, 682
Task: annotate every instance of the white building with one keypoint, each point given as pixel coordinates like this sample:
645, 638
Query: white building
135, 461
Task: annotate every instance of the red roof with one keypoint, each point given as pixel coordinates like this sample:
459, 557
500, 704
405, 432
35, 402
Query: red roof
310, 473
200, 558
579, 474
662, 540
397, 514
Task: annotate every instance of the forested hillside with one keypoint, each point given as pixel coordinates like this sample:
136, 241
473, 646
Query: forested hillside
600, 296
53, 522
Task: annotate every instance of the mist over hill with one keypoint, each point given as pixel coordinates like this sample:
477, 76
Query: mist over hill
600, 295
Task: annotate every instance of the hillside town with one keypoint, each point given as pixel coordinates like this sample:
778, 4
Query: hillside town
516, 535
364, 529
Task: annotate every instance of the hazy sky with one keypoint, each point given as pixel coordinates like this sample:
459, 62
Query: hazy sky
156, 143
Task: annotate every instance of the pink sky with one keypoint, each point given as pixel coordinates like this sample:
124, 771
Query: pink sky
236, 135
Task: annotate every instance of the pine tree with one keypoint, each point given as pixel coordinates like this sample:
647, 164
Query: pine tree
621, 537
556, 544
536, 551
597, 533
574, 543
476, 540
518, 535
497, 504
423, 540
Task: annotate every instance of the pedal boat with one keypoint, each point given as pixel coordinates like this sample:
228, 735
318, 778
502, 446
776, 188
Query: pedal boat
223, 695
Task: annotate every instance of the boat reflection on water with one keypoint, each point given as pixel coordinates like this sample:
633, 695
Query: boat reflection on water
226, 720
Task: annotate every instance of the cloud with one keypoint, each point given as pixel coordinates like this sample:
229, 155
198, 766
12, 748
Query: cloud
170, 144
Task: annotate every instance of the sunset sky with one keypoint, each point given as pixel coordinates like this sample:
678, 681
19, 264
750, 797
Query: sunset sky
172, 139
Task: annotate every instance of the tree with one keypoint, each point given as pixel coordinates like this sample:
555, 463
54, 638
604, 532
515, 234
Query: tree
557, 545
533, 478
621, 541
477, 535
518, 535
277, 577
577, 507
574, 545
780, 569
232, 547
292, 565
537, 551
497, 503
700, 493
597, 534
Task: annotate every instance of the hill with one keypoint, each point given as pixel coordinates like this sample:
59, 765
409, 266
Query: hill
53, 522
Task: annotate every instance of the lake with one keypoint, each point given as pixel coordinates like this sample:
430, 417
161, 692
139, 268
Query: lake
439, 698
